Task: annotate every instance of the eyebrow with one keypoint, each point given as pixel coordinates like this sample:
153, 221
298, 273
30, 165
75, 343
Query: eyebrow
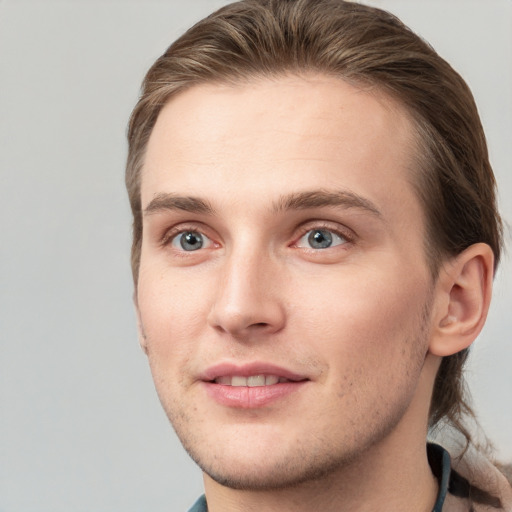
295, 201
322, 198
172, 202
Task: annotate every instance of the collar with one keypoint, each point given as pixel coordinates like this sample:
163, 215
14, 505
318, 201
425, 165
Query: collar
440, 463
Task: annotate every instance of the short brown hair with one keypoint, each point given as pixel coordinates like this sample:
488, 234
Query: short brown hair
365, 46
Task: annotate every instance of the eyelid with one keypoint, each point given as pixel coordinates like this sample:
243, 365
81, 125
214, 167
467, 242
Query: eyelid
340, 230
335, 240
170, 234
176, 241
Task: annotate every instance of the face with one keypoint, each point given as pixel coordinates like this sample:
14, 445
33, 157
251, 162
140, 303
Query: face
283, 292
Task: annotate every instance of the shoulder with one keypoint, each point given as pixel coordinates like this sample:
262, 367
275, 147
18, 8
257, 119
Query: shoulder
481, 474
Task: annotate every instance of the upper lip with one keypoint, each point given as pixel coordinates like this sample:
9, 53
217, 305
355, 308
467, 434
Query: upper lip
246, 370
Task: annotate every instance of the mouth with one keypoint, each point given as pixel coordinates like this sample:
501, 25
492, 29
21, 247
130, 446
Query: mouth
250, 386
251, 381
250, 375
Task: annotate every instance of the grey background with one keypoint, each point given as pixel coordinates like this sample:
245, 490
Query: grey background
80, 425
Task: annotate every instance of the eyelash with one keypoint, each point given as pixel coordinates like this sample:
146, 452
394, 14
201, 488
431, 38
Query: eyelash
170, 235
347, 235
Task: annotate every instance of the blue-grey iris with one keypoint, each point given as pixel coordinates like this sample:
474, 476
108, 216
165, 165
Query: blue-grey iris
320, 239
191, 240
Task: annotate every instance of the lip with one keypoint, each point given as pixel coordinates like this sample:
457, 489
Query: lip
246, 370
250, 397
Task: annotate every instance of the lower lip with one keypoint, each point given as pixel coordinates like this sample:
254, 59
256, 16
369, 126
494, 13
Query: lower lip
244, 397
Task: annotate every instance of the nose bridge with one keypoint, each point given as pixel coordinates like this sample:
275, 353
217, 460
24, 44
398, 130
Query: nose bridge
246, 299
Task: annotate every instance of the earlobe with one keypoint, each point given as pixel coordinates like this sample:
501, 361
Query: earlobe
463, 295
140, 326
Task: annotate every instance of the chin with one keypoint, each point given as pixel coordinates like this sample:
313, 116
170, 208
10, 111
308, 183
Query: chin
279, 467
279, 476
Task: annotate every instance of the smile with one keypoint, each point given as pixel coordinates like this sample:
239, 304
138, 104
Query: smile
251, 381
252, 385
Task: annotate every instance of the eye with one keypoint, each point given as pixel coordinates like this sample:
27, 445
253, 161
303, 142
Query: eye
320, 239
190, 241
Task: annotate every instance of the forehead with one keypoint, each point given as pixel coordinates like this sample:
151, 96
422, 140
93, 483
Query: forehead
259, 139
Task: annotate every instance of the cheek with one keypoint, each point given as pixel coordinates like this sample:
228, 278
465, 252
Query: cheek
374, 321
373, 341
172, 326
172, 313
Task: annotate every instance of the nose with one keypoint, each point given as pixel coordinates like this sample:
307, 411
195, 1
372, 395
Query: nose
247, 303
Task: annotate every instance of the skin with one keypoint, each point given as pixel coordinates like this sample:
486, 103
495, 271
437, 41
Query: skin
357, 320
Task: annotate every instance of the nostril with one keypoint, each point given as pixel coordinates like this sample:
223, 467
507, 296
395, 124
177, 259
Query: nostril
240, 318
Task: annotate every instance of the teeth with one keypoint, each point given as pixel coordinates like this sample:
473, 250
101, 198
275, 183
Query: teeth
238, 381
271, 379
252, 381
256, 380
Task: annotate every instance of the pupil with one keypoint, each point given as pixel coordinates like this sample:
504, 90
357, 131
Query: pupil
320, 239
191, 241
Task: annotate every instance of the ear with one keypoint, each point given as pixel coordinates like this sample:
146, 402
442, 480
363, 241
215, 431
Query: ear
140, 327
462, 298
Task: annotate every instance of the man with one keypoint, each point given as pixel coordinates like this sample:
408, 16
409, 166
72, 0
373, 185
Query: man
315, 238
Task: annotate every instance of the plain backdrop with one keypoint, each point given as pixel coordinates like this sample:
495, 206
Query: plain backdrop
80, 425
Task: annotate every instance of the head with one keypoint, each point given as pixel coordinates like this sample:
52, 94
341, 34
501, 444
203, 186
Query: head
370, 50
363, 46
